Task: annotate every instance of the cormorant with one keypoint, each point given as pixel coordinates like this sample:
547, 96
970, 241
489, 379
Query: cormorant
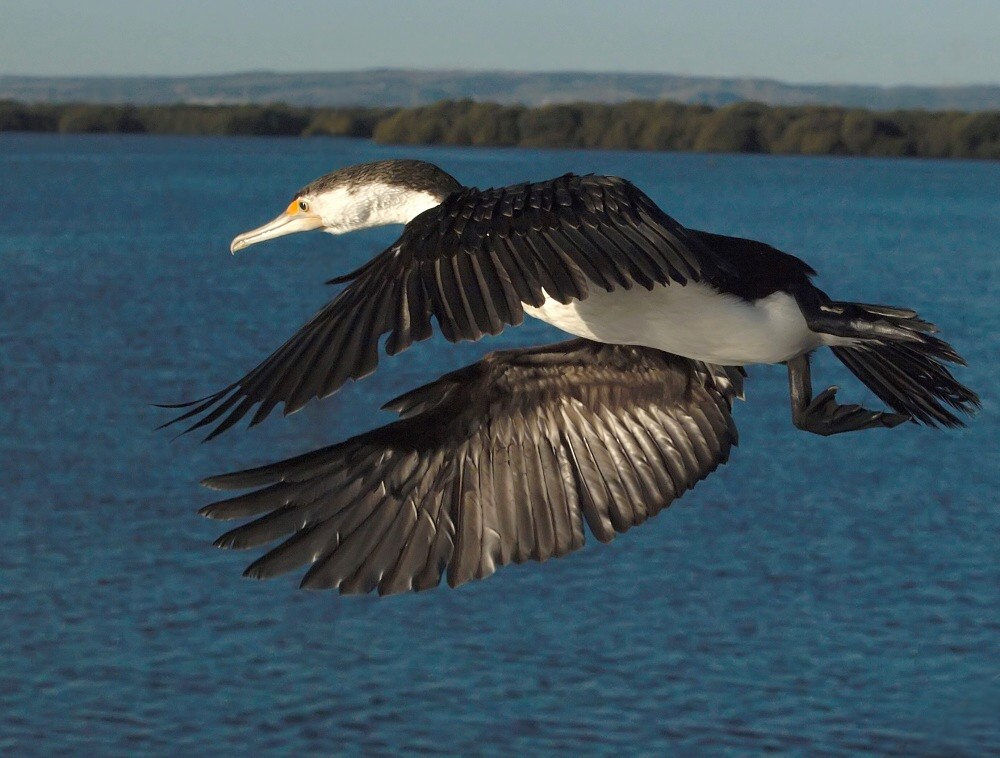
499, 461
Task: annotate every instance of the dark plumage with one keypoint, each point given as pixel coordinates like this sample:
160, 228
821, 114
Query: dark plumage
754, 270
417, 176
499, 462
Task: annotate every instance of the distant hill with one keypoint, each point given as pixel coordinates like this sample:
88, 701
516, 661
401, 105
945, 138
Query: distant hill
396, 87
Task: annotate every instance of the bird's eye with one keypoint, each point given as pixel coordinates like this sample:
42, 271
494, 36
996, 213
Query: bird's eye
303, 205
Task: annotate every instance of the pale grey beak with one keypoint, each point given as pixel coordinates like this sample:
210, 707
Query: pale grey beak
288, 222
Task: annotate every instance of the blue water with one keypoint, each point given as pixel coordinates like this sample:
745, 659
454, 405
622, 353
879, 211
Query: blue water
814, 595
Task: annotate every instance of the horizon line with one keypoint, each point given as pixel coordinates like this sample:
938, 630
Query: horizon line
501, 71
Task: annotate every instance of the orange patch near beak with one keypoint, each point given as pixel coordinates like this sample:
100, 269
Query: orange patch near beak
293, 208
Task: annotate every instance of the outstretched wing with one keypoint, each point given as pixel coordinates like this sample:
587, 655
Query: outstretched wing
470, 263
498, 462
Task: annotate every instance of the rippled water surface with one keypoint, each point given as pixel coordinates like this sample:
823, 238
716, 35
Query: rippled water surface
814, 595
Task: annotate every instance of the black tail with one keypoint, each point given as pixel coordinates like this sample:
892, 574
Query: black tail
899, 360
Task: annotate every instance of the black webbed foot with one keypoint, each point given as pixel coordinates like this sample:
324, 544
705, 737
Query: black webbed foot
822, 415
825, 417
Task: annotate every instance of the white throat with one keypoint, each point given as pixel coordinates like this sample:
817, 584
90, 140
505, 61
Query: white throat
347, 209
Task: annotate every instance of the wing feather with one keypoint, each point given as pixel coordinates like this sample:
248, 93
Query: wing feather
590, 484
493, 464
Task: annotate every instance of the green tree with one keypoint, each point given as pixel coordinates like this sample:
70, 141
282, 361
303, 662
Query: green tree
121, 119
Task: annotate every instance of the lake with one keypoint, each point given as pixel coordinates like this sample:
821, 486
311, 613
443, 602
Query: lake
815, 595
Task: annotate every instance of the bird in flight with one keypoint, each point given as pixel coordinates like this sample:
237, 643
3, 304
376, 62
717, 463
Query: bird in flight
503, 460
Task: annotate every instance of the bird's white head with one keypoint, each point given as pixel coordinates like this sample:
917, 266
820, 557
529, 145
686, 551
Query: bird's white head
358, 197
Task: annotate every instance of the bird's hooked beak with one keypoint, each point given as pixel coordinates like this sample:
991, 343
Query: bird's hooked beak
296, 218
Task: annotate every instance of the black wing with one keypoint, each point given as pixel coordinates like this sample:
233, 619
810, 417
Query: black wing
498, 462
471, 263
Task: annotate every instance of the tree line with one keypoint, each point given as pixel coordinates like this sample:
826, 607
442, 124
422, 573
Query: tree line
637, 125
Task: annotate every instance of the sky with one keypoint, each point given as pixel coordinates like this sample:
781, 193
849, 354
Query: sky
881, 42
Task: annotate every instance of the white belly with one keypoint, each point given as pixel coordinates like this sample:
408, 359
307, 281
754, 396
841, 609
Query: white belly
694, 321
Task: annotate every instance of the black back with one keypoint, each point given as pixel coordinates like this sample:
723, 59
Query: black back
754, 269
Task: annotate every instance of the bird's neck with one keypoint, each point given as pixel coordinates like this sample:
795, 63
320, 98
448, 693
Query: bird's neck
396, 205
376, 205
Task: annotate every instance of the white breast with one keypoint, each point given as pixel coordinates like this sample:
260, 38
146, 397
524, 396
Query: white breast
695, 321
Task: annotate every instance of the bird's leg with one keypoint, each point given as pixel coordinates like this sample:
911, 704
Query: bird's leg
821, 415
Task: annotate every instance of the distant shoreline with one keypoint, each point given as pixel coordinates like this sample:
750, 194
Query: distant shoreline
636, 125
